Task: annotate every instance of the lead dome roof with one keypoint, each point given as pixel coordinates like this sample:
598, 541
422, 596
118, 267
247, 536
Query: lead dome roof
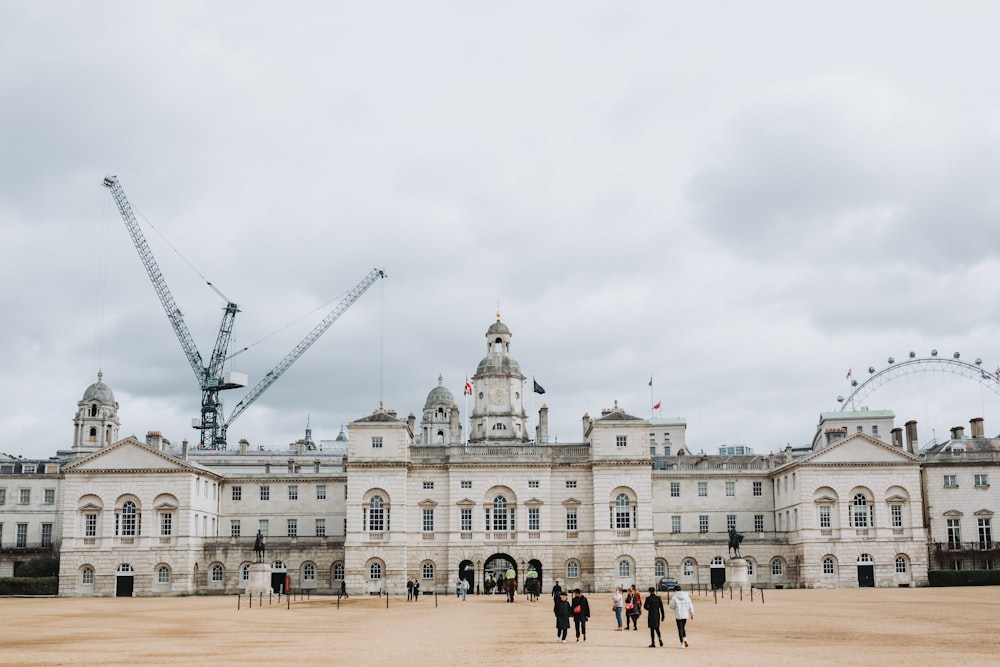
99, 392
439, 395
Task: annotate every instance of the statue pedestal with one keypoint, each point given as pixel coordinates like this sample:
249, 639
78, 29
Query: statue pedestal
737, 575
259, 580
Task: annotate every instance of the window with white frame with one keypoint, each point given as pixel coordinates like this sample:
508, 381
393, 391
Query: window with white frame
703, 489
532, 483
163, 575
981, 480
621, 440
758, 488
293, 527
465, 519
624, 568
376, 514
428, 520
217, 573
534, 518
245, 574
951, 481
428, 485
49, 497
308, 572
730, 522
499, 513
688, 568
828, 566
466, 484
90, 525
985, 533
901, 565
87, 576
675, 523
166, 524
46, 534
375, 571
265, 493
338, 571
758, 523
234, 528
264, 526
293, 492
377, 444
24, 497
896, 515
237, 493
3, 496
777, 567
730, 489
571, 523
623, 512
320, 527
750, 567
861, 511
572, 570
675, 489
659, 569
321, 492
125, 519
570, 483
702, 523
824, 516
427, 571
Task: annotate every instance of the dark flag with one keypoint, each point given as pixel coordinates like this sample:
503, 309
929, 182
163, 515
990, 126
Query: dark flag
538, 388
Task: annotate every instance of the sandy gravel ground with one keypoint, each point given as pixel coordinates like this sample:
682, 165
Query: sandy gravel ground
953, 626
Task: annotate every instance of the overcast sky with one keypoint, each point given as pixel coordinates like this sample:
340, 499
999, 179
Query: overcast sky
739, 200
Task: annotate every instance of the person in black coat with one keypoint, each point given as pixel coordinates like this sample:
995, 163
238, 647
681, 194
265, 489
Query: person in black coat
580, 609
562, 611
654, 614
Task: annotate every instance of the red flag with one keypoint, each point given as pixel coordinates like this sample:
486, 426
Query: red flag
468, 388
657, 406
848, 373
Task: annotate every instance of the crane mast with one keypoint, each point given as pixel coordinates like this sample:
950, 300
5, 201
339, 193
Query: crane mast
211, 379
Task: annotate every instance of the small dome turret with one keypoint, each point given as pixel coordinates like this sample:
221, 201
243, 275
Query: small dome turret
99, 392
439, 395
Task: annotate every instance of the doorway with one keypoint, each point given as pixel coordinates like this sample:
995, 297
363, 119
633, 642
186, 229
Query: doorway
866, 571
124, 581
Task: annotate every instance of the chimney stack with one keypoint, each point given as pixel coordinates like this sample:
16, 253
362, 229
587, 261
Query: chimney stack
912, 444
957, 432
244, 445
542, 435
897, 437
184, 449
976, 426
154, 439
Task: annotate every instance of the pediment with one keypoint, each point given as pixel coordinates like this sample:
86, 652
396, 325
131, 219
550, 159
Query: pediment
825, 499
571, 502
859, 448
129, 454
983, 512
466, 502
953, 513
428, 504
534, 502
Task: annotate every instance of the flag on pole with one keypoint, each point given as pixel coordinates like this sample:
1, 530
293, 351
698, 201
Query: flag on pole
538, 388
468, 388
848, 373
657, 406
650, 380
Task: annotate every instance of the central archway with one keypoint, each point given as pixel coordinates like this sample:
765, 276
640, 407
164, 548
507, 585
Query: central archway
497, 565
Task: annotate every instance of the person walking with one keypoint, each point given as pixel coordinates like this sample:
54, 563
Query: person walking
463, 588
683, 612
616, 606
654, 614
409, 590
416, 591
633, 608
580, 608
562, 611
343, 589
556, 590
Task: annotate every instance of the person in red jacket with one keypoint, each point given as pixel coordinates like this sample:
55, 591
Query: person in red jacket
580, 609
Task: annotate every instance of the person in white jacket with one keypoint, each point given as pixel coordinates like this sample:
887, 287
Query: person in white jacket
683, 611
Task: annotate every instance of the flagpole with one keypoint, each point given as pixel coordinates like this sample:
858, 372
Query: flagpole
651, 413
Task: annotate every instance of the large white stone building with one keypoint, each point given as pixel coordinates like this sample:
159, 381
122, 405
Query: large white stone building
392, 500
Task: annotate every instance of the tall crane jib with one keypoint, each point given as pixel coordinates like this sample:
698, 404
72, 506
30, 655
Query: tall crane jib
211, 378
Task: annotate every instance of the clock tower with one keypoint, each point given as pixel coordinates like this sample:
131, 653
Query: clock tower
498, 393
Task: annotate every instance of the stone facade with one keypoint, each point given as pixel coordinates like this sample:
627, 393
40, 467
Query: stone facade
393, 500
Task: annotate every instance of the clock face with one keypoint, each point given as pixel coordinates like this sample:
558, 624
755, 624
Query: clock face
498, 395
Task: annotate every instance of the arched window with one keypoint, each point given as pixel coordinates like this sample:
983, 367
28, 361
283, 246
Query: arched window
93, 435
901, 565
750, 567
660, 568
87, 576
309, 572
246, 573
163, 575
828, 567
718, 561
623, 512
572, 570
688, 568
338, 571
777, 567
376, 514
217, 572
624, 568
499, 513
125, 520
427, 571
93, 410
861, 511
865, 559
375, 571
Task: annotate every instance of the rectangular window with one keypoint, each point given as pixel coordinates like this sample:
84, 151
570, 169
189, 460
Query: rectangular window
376, 442
50, 496
758, 523
263, 526
534, 520
954, 533
46, 534
824, 516
466, 484
861, 429
652, 450
465, 520
3, 496
675, 523
758, 488
90, 525
950, 481
703, 489
896, 515
702, 523
22, 535
234, 528
428, 486
982, 480
237, 494
320, 527
570, 483
675, 489
293, 492
24, 497
621, 440
666, 451
730, 489
321, 492
265, 493
293, 527
730, 522
428, 523
166, 524
985, 534
571, 519
874, 429
532, 483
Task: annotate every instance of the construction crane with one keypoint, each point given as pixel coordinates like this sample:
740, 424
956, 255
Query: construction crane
211, 379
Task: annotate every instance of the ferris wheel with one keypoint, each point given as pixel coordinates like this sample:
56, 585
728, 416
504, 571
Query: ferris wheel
937, 391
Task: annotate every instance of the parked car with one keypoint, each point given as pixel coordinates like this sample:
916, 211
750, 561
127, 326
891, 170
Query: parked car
667, 583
